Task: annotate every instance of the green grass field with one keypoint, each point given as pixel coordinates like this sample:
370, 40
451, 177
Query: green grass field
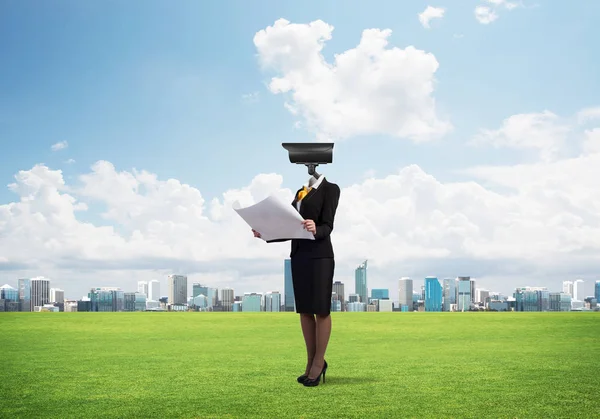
242, 365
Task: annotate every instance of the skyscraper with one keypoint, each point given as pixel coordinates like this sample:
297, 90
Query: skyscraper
288, 286
154, 290
57, 295
338, 289
464, 293
177, 289
143, 287
449, 297
597, 291
273, 301
433, 294
40, 291
360, 282
578, 293
227, 297
568, 288
405, 294
25, 294
473, 291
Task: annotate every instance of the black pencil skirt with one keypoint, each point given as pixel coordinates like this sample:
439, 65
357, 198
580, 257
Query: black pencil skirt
313, 284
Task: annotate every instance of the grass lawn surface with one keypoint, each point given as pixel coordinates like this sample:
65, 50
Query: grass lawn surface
244, 365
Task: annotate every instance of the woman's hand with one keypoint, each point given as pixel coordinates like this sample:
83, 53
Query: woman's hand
256, 234
310, 226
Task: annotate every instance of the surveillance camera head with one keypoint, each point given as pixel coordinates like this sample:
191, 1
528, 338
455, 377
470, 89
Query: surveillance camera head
310, 154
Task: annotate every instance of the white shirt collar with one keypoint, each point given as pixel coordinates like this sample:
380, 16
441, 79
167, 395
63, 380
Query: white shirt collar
317, 183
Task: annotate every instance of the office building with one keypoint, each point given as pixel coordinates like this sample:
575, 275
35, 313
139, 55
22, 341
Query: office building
143, 287
177, 289
482, 295
338, 291
57, 295
40, 291
288, 286
380, 294
449, 297
25, 294
559, 301
227, 298
273, 301
568, 288
153, 290
433, 294
473, 290
597, 291
360, 282
252, 301
405, 294
578, 292
464, 293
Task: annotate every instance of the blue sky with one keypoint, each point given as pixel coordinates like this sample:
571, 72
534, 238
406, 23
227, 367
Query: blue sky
161, 86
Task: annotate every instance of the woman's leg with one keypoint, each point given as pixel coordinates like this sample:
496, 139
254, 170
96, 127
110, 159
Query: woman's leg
323, 334
309, 330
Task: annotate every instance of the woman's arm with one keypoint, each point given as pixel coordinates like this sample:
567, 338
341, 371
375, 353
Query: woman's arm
330, 205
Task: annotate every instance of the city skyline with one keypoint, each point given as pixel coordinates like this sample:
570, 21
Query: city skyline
445, 291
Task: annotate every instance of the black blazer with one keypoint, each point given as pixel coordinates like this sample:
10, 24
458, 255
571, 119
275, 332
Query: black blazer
320, 206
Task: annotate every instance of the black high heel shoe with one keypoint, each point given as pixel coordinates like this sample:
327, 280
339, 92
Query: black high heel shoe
315, 382
302, 378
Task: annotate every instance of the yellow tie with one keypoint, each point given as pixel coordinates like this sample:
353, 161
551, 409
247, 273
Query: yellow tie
302, 193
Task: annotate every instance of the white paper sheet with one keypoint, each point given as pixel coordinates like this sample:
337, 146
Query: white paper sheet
274, 219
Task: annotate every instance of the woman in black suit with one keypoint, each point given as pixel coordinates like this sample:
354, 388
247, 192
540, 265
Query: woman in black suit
313, 266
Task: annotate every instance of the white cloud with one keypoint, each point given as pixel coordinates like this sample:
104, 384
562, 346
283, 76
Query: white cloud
70, 161
367, 90
487, 14
429, 14
591, 142
59, 146
543, 131
588, 114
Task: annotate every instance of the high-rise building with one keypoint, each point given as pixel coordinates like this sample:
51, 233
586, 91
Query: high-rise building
433, 294
568, 288
57, 295
405, 294
597, 291
288, 286
578, 292
40, 291
227, 297
380, 294
25, 294
143, 287
360, 282
153, 290
273, 301
252, 301
177, 289
482, 295
338, 290
449, 297
464, 293
473, 291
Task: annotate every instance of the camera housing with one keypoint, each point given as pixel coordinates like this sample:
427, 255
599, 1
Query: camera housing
310, 154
